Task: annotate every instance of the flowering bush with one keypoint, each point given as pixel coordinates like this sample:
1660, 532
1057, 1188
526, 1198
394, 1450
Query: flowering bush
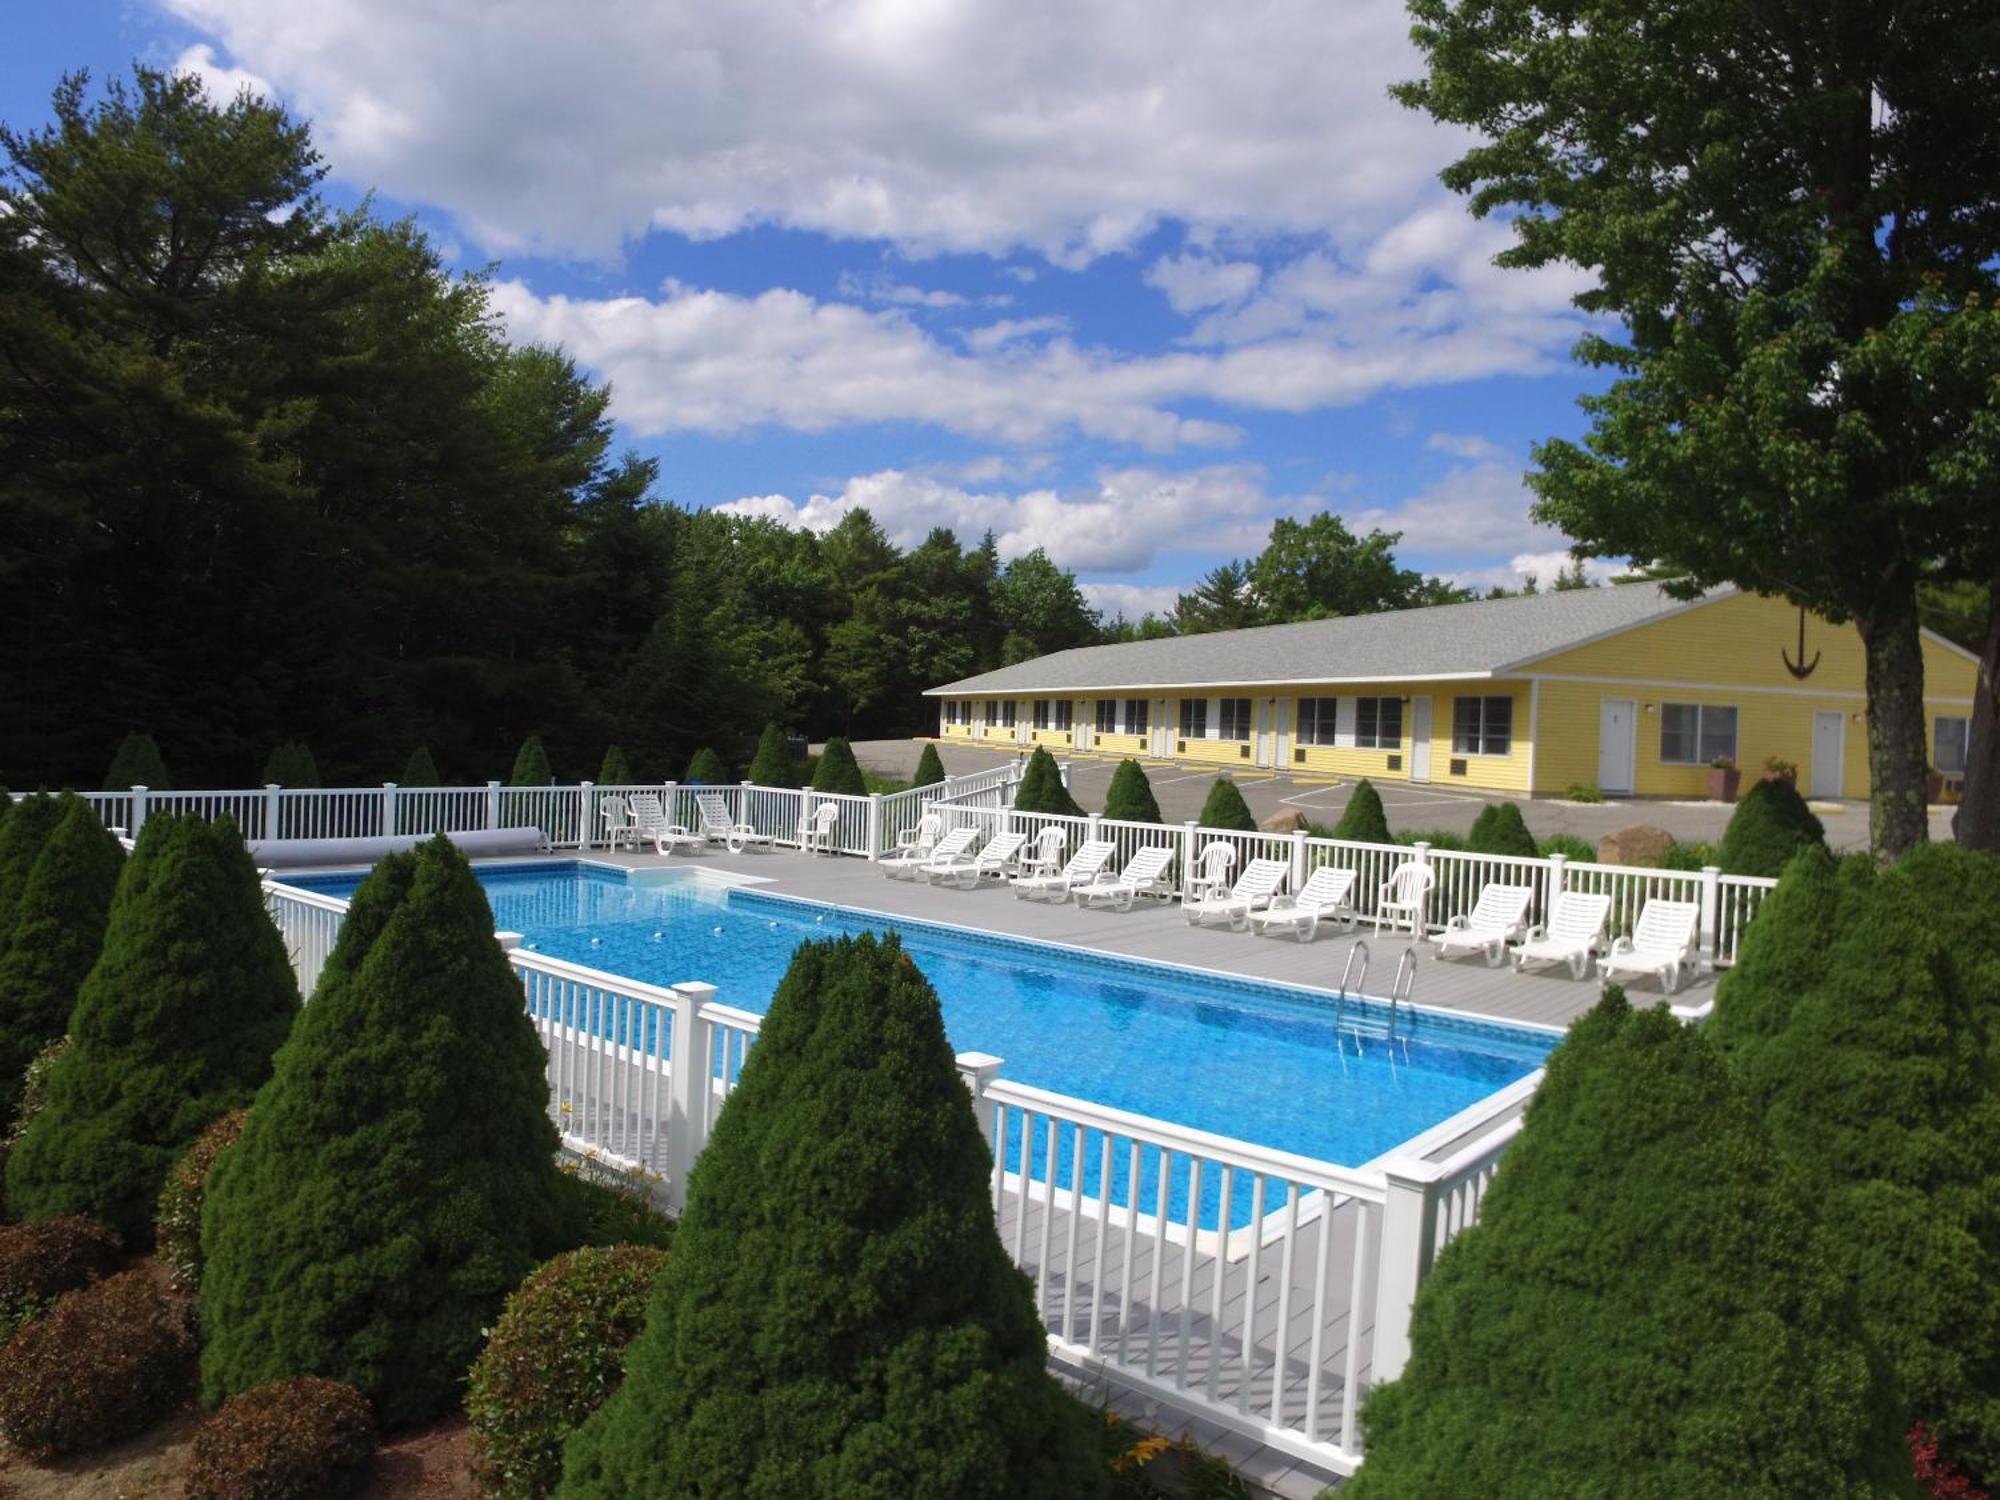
299, 1439
1935, 1473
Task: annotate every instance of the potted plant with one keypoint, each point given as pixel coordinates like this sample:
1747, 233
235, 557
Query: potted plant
1933, 785
1723, 779
1777, 768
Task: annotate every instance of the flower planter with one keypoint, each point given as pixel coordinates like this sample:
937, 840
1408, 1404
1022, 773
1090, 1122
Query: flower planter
1722, 784
1934, 787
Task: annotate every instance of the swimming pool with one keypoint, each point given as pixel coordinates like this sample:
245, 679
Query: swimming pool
1259, 1062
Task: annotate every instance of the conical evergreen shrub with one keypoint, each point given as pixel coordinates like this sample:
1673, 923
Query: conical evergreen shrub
1130, 795
1784, 953
137, 762
1362, 821
1500, 829
1769, 826
707, 768
615, 770
837, 770
838, 1316
57, 933
1225, 808
22, 835
420, 770
1041, 788
531, 764
175, 1026
1646, 1306
291, 764
930, 769
397, 1176
773, 764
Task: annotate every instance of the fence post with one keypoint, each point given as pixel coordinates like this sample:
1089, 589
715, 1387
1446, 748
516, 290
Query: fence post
978, 1069
492, 804
388, 809
1420, 920
138, 815
586, 815
273, 810
1711, 914
1558, 873
743, 802
1298, 859
805, 815
1093, 825
874, 824
1408, 1244
1187, 854
688, 1077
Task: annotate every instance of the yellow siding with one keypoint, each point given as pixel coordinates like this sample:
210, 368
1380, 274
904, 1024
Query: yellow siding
1497, 773
1118, 744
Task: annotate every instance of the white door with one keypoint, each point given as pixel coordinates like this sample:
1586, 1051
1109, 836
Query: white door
1083, 723
1616, 741
1420, 739
1829, 766
1267, 730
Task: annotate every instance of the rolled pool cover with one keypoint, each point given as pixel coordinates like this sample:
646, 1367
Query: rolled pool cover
277, 854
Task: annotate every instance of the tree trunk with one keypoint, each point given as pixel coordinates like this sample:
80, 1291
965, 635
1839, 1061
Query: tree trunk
1977, 822
1897, 817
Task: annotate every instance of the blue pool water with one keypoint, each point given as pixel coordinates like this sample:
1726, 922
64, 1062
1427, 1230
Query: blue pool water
1256, 1062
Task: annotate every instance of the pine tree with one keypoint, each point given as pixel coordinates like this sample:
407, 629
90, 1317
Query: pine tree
397, 1175
1500, 829
174, 1026
773, 764
420, 770
137, 763
1769, 826
1646, 1296
291, 764
930, 769
1130, 796
1363, 821
1225, 808
707, 768
531, 764
1041, 788
837, 770
850, 1324
58, 930
27, 828
615, 770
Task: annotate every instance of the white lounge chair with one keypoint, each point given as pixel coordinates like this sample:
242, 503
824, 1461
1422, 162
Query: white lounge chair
816, 829
1084, 865
649, 819
1211, 870
995, 859
1044, 856
1145, 874
1570, 936
619, 829
919, 840
1254, 888
1323, 898
1403, 898
1661, 942
1496, 919
907, 859
718, 827
953, 846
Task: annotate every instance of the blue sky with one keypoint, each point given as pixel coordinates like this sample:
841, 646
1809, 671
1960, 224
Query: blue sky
1127, 281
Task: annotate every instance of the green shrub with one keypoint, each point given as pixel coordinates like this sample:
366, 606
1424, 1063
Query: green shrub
1688, 856
861, 1323
556, 1355
1362, 821
100, 1366
615, 770
1769, 826
531, 764
1437, 838
175, 1025
420, 769
1225, 808
1569, 846
707, 768
1145, 1466
1041, 788
34, 1094
611, 1210
930, 769
773, 764
177, 1221
1584, 791
837, 771
397, 1176
1647, 1298
58, 930
292, 764
27, 827
299, 1439
39, 1262
137, 763
1130, 797
1500, 829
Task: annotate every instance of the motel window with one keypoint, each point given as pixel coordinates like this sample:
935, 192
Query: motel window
1107, 715
1135, 715
951, 710
1318, 718
992, 712
1482, 726
1065, 711
1948, 741
1694, 734
1378, 723
1194, 718
1041, 713
1008, 711
1236, 718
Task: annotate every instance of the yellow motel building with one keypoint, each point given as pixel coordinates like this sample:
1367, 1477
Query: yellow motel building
1623, 687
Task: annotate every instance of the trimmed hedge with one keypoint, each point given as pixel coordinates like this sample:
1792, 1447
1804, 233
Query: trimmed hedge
707, 768
39, 1262
397, 1176
292, 764
177, 1221
1041, 788
1362, 821
556, 1355
930, 768
1130, 796
420, 769
1569, 846
175, 1025
299, 1439
615, 769
1500, 829
773, 764
837, 770
838, 1316
137, 762
100, 1366
1225, 808
531, 764
1771, 824
1646, 1297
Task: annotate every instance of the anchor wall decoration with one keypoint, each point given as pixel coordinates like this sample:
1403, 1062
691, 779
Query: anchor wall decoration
1801, 668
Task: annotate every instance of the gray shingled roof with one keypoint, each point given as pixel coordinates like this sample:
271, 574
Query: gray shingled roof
1481, 639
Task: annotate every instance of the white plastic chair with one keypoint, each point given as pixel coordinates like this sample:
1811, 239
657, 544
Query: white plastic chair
816, 831
1570, 936
1496, 919
1254, 888
619, 829
928, 830
1403, 898
1662, 940
1083, 865
650, 821
1211, 869
1323, 898
1044, 856
718, 827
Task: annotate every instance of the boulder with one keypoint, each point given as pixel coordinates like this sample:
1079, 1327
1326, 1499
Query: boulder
1291, 820
1635, 844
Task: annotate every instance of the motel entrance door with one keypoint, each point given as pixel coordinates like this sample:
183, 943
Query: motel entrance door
1616, 739
1420, 738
